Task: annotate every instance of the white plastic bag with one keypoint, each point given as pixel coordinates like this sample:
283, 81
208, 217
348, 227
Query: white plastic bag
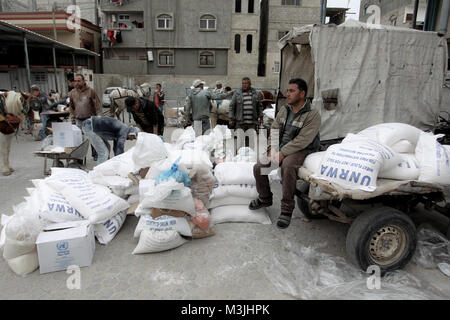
408, 169
4, 222
157, 241
239, 213
95, 202
391, 133
245, 154
188, 136
116, 181
133, 199
162, 223
148, 149
106, 231
120, 165
434, 159
404, 146
235, 173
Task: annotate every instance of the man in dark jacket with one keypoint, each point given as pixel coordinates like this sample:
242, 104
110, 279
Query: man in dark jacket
146, 115
42, 100
100, 129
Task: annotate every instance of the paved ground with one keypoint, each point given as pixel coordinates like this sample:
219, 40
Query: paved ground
234, 264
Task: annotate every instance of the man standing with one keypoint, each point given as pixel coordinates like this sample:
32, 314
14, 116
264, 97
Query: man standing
158, 97
245, 107
198, 104
83, 104
44, 106
298, 127
146, 115
100, 129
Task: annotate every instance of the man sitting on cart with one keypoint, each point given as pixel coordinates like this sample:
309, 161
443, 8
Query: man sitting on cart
298, 127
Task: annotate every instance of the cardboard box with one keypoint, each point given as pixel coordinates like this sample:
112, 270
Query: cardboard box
167, 212
66, 135
64, 244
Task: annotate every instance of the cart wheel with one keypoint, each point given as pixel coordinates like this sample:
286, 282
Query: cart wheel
382, 236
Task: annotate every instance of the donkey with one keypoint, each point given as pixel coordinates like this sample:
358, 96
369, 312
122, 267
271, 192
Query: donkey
118, 96
12, 112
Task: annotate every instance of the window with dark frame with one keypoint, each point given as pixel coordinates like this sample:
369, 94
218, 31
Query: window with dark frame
207, 59
207, 22
249, 43
238, 6
251, 6
290, 2
237, 43
165, 58
164, 21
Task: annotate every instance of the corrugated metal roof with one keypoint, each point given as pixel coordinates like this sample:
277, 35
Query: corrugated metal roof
12, 32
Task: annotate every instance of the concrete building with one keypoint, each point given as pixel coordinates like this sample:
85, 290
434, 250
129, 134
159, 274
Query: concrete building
178, 41
58, 27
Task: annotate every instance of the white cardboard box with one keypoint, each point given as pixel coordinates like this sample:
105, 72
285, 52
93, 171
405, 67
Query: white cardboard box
64, 244
66, 135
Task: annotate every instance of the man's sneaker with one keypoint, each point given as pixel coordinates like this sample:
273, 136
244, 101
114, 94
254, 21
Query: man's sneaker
258, 204
284, 220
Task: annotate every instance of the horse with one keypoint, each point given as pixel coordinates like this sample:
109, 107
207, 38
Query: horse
118, 96
12, 112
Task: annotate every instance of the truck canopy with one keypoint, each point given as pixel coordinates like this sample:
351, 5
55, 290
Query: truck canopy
360, 75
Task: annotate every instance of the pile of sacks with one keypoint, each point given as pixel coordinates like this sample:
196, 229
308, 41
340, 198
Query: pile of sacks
386, 151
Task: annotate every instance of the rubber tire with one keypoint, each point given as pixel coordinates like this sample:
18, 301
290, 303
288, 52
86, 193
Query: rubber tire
303, 205
366, 224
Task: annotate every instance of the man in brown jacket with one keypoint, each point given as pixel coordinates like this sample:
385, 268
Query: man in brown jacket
84, 103
298, 128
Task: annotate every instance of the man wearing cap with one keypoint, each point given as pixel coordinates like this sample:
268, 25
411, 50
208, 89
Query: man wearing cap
44, 106
100, 129
198, 104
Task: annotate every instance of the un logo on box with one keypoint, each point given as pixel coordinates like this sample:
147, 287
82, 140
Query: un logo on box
61, 246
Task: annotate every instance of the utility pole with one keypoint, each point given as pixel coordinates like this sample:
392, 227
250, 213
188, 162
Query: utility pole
323, 11
55, 35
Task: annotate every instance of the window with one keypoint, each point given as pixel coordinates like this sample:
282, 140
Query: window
208, 22
124, 17
165, 58
290, 2
237, 43
39, 77
276, 66
207, 59
238, 6
251, 6
164, 21
249, 43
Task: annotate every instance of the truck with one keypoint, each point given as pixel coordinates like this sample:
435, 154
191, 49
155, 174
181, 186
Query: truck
360, 75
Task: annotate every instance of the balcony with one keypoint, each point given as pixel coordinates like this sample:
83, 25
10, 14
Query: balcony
131, 38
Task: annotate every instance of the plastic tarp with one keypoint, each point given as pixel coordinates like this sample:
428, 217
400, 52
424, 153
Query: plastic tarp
377, 73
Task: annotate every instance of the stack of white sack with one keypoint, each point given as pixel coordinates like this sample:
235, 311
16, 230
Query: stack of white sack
245, 154
235, 189
114, 175
386, 151
18, 238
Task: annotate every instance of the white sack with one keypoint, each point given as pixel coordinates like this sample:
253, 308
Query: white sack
14, 248
234, 190
163, 223
245, 154
434, 159
121, 165
391, 133
53, 205
106, 231
24, 264
312, 161
269, 113
188, 136
148, 149
116, 182
408, 169
95, 202
133, 189
355, 165
239, 213
157, 241
4, 222
235, 173
228, 201
133, 199
404, 146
